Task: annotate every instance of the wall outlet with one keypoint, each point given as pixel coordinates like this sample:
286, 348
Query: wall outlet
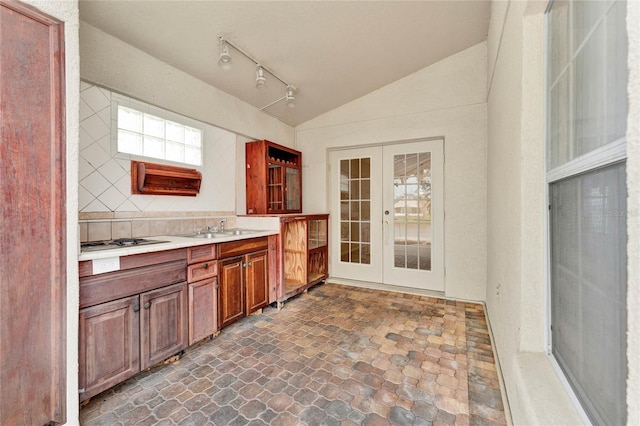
498, 290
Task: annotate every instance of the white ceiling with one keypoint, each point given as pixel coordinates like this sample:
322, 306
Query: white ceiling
333, 51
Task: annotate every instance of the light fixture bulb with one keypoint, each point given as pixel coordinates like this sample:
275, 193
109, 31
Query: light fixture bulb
224, 59
290, 96
261, 81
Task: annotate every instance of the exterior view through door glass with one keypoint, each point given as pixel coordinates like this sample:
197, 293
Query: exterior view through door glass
413, 222
387, 214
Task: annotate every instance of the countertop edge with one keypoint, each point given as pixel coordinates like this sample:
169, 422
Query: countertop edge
173, 242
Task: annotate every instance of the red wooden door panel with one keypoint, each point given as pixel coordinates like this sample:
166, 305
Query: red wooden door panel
109, 345
163, 323
32, 224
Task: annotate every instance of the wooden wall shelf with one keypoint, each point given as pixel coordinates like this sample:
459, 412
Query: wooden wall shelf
160, 179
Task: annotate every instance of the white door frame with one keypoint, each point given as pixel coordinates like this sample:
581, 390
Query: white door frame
375, 272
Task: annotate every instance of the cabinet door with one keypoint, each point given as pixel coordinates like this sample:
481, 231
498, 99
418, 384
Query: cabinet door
293, 189
231, 302
163, 323
256, 281
108, 345
203, 313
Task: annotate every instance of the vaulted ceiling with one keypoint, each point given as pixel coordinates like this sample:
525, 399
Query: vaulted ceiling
333, 51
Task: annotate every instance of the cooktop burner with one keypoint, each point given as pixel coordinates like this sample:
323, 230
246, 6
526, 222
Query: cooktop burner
118, 243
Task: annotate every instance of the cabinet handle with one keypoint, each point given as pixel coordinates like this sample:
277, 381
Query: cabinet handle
147, 305
205, 266
249, 264
136, 308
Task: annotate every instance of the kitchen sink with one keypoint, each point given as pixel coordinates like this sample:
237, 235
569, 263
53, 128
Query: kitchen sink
225, 233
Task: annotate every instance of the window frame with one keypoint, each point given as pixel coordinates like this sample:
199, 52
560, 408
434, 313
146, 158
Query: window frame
612, 153
118, 100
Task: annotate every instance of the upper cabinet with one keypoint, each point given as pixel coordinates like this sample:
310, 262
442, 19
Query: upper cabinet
274, 178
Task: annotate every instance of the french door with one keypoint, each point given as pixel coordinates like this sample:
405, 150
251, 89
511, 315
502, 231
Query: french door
387, 215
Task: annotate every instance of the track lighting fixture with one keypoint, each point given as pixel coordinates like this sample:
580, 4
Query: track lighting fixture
290, 96
261, 81
224, 59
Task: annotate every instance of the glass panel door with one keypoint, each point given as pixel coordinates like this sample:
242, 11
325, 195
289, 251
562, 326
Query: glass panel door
387, 214
356, 216
413, 220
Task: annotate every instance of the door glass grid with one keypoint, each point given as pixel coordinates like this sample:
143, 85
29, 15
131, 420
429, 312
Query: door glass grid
412, 210
355, 210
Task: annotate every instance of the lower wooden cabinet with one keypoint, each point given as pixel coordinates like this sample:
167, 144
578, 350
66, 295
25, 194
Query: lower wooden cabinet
243, 279
120, 338
203, 308
163, 323
257, 277
231, 293
202, 275
109, 345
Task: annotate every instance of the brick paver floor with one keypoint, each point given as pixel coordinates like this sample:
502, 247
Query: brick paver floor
335, 355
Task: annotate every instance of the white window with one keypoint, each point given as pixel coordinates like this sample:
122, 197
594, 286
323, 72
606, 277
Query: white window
149, 135
586, 173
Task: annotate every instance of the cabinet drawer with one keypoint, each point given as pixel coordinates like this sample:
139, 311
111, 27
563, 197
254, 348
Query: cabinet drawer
201, 253
203, 270
240, 247
102, 288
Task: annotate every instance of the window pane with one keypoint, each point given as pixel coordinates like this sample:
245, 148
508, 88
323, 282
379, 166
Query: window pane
175, 131
129, 142
589, 105
153, 126
175, 151
153, 147
129, 119
192, 136
588, 288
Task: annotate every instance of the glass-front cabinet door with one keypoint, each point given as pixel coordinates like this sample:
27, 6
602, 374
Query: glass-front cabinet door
293, 189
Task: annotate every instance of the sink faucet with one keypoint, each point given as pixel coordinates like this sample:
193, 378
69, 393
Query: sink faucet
221, 227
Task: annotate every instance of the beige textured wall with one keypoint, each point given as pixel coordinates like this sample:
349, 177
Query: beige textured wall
446, 100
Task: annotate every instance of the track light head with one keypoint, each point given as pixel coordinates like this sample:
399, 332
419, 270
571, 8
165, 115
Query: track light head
290, 96
224, 58
261, 81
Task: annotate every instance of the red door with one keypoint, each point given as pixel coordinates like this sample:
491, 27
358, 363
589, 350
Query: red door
32, 220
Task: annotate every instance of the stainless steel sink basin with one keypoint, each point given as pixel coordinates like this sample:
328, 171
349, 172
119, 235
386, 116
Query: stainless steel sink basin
238, 231
220, 234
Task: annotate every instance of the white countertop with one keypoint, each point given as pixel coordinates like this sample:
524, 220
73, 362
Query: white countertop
173, 242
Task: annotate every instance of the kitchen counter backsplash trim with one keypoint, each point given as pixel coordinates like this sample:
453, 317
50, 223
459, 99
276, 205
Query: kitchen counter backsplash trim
96, 229
173, 242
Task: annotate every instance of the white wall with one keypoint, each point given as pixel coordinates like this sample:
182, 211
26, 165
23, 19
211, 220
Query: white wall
67, 11
111, 63
446, 100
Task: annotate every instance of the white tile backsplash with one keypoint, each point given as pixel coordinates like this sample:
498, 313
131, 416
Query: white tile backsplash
95, 183
96, 99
